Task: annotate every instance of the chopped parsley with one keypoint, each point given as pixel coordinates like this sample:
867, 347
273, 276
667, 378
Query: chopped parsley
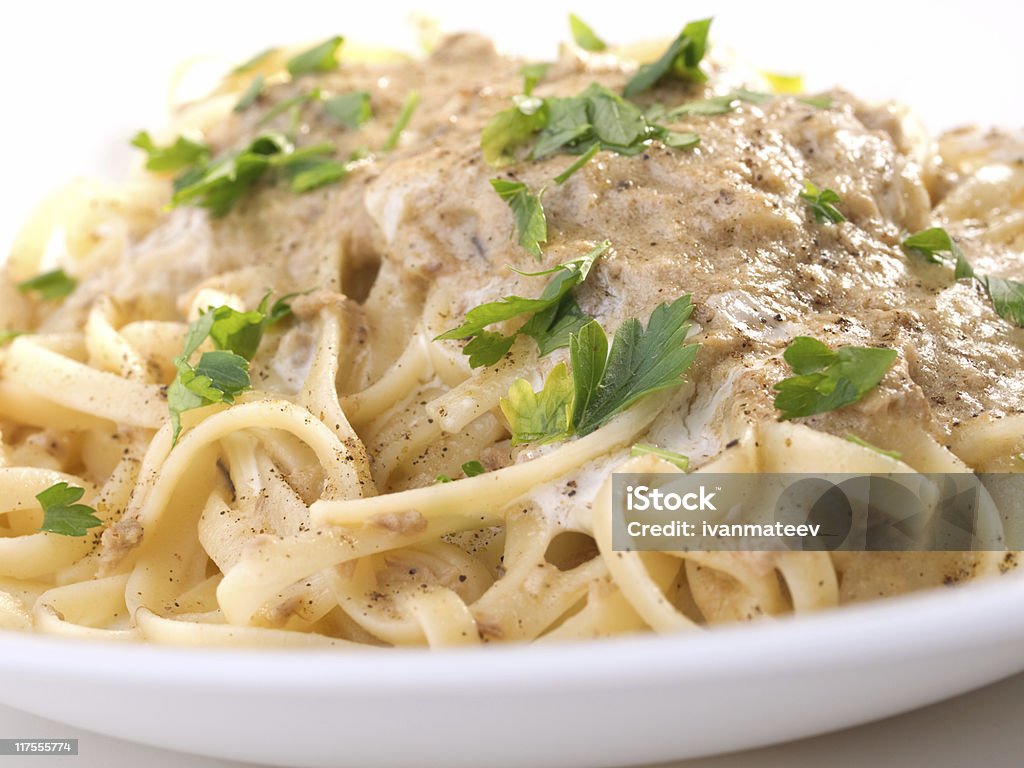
511, 129
573, 125
529, 213
642, 449
350, 109
584, 36
254, 62
554, 314
682, 59
49, 286
544, 416
319, 58
1007, 296
221, 374
473, 468
533, 74
938, 247
822, 203
828, 379
865, 444
411, 102
582, 160
220, 183
181, 154
719, 105
288, 104
6, 337
62, 515
250, 94
603, 382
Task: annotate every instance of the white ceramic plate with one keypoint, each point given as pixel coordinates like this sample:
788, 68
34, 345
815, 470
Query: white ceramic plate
84, 85
630, 701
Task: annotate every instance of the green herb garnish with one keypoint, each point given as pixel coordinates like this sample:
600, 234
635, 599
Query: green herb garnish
828, 379
1007, 296
62, 515
573, 125
603, 383
584, 36
6, 337
48, 286
254, 62
682, 59
581, 161
181, 154
865, 444
411, 102
642, 449
473, 468
319, 58
719, 105
350, 109
533, 74
822, 203
529, 213
549, 309
250, 94
222, 374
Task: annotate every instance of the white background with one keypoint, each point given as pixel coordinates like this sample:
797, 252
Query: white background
80, 78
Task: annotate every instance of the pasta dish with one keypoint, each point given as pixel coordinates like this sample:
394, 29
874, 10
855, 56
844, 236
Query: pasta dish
352, 358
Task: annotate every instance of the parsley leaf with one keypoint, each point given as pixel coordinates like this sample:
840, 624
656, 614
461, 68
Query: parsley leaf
682, 58
932, 243
588, 351
488, 347
286, 104
319, 58
181, 154
533, 74
575, 124
719, 105
540, 417
602, 383
584, 36
473, 468
218, 185
552, 327
821, 203
411, 102
350, 109
61, 515
49, 285
642, 449
828, 379
1007, 296
582, 160
851, 438
509, 130
221, 374
250, 94
529, 213
641, 361
255, 61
